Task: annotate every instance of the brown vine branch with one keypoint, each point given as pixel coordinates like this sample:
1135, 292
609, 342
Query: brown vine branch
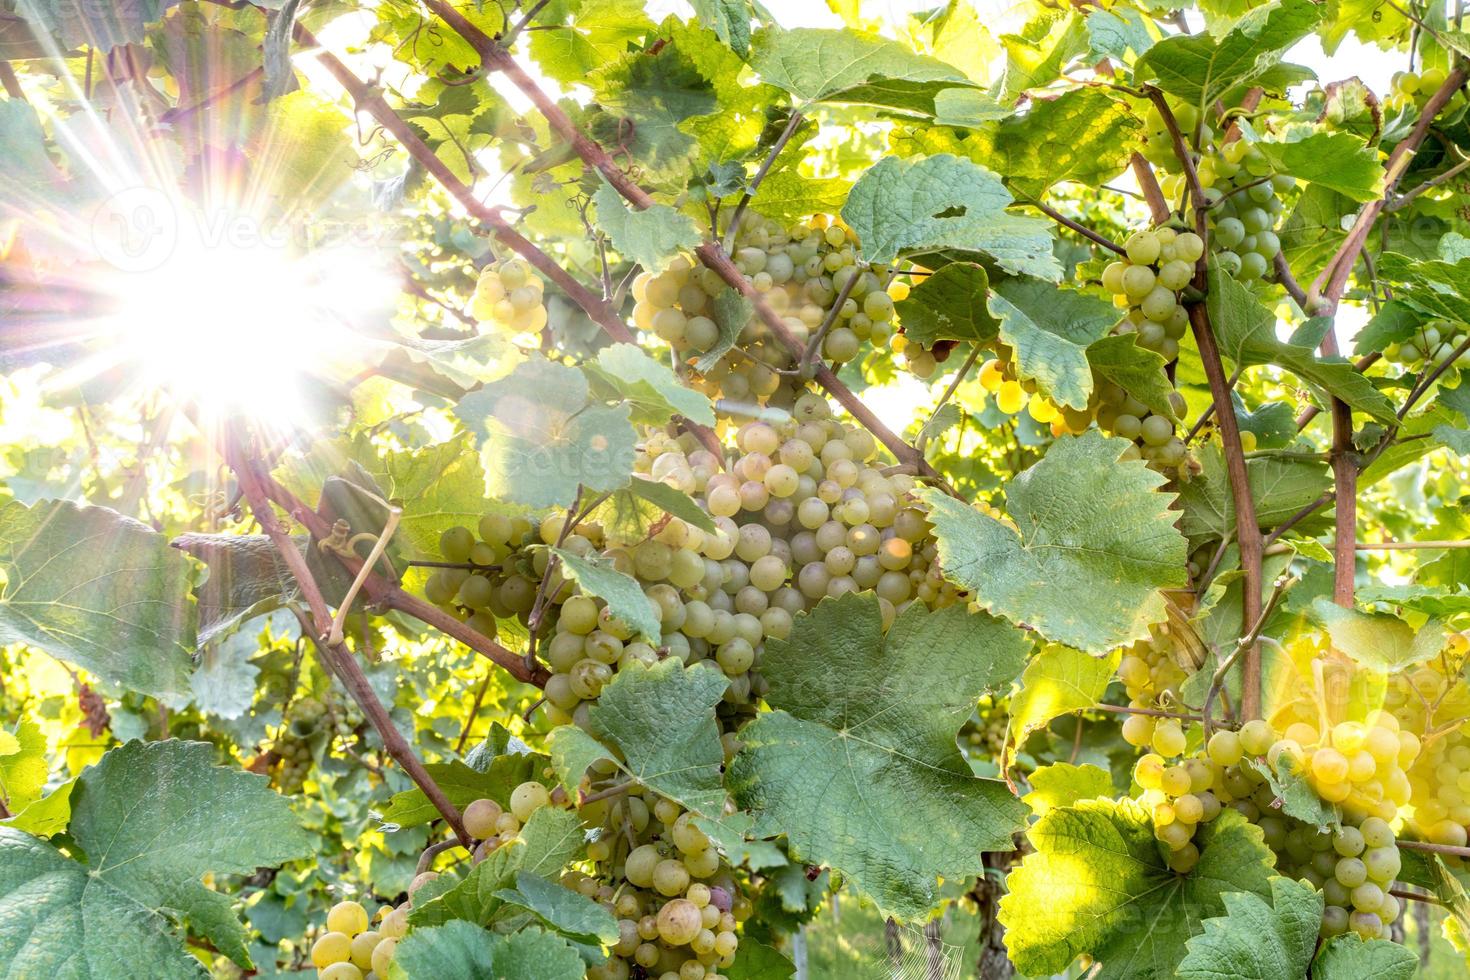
1247, 529
1078, 227
1153, 194
390, 594
710, 253
336, 655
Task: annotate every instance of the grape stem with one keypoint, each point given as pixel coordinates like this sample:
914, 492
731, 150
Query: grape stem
426, 859
1245, 643
1119, 709
815, 344
959, 377
710, 254
1404, 199
1426, 846
336, 656
1077, 226
1247, 530
379, 546
382, 592
1288, 282
608, 793
733, 228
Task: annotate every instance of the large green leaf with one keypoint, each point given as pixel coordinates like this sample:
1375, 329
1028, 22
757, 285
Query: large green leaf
1379, 641
462, 949
650, 237
1097, 884
1339, 161
1086, 524
1063, 784
642, 98
151, 820
1058, 680
817, 65
1199, 68
1279, 487
943, 201
662, 718
98, 590
1137, 370
1050, 330
1085, 135
949, 305
624, 596
1246, 331
1258, 939
541, 436
1350, 957
623, 372
1440, 289
857, 763
438, 487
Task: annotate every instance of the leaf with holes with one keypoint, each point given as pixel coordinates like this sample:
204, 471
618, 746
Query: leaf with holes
945, 201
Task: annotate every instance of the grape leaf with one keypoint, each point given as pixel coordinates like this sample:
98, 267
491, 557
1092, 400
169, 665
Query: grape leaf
1137, 370
1294, 794
1339, 161
1119, 33
945, 201
599, 33
1050, 330
729, 19
1435, 602
463, 785
152, 819
1084, 135
247, 577
1036, 55
1257, 939
1379, 641
463, 949
564, 911
1440, 289
731, 834
671, 501
102, 26
23, 765
224, 683
859, 750
661, 717
1057, 680
757, 961
541, 436
1063, 784
642, 98
817, 65
624, 596
438, 487
789, 195
1086, 524
1350, 957
967, 107
651, 237
572, 752
1246, 331
1279, 487
47, 816
550, 840
623, 372
1097, 884
98, 590
1199, 68
949, 305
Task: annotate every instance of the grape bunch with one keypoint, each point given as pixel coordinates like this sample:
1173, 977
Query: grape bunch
801, 271
1242, 191
304, 727
1146, 282
1431, 343
1431, 697
1000, 377
677, 902
350, 950
1358, 766
1415, 88
985, 731
508, 296
1151, 672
